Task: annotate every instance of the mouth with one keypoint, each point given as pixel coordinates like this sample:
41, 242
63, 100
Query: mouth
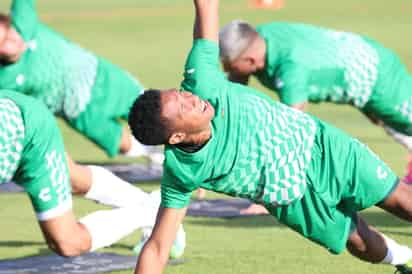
204, 106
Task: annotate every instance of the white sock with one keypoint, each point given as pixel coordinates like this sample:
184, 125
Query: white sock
400, 138
397, 254
108, 226
108, 189
136, 149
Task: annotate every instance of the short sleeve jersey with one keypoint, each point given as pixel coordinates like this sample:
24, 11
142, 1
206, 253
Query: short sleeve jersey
259, 149
32, 154
308, 63
53, 69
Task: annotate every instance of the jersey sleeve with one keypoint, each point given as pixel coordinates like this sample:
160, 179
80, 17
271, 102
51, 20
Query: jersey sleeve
43, 169
174, 193
24, 17
291, 83
11, 139
203, 75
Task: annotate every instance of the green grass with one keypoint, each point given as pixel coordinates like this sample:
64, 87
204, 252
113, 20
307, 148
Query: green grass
151, 39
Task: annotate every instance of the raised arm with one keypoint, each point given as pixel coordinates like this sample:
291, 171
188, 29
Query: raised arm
24, 17
155, 253
206, 24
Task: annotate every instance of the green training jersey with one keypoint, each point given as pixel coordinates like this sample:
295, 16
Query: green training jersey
55, 70
259, 149
308, 63
32, 154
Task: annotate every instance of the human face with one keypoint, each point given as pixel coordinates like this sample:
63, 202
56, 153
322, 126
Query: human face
242, 66
11, 44
186, 113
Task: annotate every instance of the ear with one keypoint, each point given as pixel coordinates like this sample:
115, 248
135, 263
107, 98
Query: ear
177, 138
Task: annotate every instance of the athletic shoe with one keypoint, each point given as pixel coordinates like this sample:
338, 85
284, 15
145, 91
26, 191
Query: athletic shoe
404, 268
178, 247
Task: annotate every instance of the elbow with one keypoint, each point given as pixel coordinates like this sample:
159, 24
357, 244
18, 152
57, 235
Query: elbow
67, 248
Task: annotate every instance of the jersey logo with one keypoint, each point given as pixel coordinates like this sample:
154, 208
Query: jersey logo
190, 71
32, 45
20, 79
45, 194
381, 173
279, 83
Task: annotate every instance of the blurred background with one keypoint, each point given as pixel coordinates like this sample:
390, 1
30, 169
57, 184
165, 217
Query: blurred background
150, 38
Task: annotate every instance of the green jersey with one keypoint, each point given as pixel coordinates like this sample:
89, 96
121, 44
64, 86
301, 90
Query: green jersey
53, 69
259, 149
308, 63
73, 83
32, 154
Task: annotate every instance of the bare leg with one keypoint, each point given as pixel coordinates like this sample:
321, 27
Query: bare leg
254, 209
399, 202
80, 177
125, 141
366, 243
100, 185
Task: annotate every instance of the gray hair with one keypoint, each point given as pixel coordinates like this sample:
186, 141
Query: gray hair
234, 39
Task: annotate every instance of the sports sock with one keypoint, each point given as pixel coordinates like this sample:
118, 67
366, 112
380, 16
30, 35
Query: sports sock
397, 254
108, 189
108, 226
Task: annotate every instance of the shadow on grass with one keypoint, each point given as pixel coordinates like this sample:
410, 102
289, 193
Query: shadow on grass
244, 221
383, 220
44, 250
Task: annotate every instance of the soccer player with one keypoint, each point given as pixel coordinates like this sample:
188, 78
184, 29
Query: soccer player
232, 139
90, 93
305, 63
32, 154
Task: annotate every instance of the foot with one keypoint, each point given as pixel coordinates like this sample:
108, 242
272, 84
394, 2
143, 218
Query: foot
254, 209
178, 247
404, 268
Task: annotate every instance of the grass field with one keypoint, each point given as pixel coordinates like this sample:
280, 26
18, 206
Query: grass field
151, 39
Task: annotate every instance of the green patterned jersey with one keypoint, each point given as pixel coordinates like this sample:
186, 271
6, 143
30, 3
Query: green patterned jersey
32, 154
53, 69
308, 63
259, 149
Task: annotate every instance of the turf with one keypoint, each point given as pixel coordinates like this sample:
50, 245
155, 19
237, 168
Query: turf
151, 39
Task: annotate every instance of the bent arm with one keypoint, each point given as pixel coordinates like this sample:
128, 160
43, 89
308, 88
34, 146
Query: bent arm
65, 236
155, 253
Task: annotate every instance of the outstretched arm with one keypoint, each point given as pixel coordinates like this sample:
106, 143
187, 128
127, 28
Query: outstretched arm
155, 253
24, 17
206, 24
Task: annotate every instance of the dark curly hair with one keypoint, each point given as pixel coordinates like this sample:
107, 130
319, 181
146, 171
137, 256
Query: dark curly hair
5, 19
145, 120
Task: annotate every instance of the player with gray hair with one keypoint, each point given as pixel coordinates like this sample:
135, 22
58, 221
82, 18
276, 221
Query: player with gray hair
304, 63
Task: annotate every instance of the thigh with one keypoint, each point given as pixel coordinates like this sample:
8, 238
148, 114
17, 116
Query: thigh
316, 220
346, 173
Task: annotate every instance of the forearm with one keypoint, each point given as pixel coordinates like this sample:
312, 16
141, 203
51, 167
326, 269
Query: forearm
207, 20
150, 261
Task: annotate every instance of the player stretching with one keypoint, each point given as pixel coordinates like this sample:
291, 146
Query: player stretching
305, 63
32, 154
90, 93
232, 139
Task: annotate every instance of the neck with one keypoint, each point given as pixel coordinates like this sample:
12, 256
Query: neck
199, 138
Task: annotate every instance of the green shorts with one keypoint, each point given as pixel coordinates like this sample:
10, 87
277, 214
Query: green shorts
344, 177
113, 94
